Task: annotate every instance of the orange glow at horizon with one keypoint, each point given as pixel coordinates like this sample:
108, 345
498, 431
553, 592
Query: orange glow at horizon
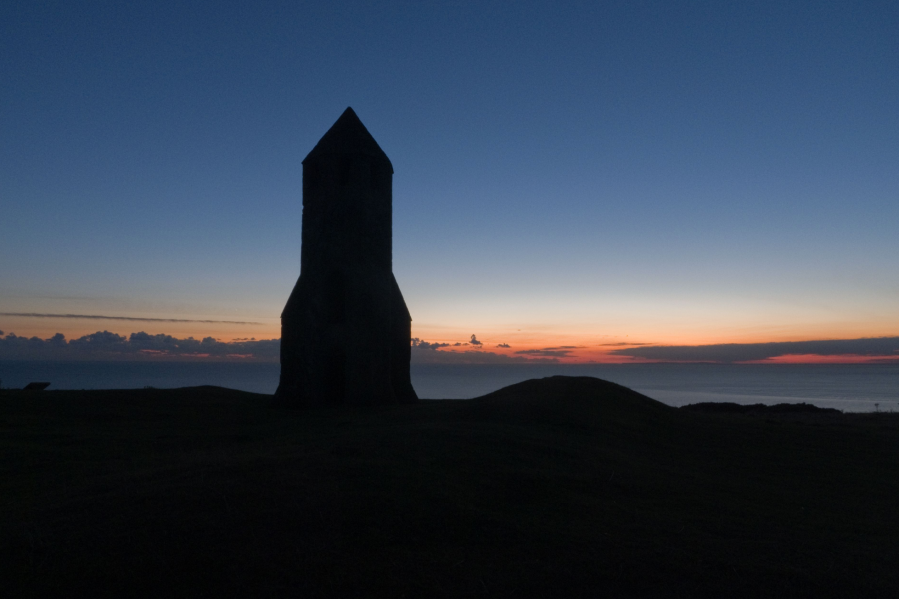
620, 335
600, 356
528, 342
582, 347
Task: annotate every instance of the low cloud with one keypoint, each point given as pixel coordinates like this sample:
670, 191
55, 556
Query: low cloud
622, 344
104, 345
424, 345
549, 352
562, 351
474, 341
424, 352
473, 357
505, 345
125, 318
885, 347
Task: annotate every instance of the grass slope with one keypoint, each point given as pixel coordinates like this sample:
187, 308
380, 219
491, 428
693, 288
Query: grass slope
560, 486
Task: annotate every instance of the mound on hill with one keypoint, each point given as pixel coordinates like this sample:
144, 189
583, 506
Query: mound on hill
580, 400
554, 487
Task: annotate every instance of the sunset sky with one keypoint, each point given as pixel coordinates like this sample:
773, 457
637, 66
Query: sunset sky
572, 179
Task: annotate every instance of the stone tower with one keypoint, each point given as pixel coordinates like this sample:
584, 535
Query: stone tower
345, 331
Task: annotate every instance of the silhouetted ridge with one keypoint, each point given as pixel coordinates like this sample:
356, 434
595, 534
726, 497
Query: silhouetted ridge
348, 136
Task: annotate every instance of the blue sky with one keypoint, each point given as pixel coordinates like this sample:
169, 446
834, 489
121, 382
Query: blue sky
582, 172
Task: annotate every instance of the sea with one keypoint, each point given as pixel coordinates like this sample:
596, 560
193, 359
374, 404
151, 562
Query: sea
846, 387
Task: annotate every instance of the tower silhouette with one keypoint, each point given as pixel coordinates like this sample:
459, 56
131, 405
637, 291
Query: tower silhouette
345, 331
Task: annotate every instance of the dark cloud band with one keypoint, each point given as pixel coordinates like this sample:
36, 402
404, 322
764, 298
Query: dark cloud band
546, 353
747, 352
125, 318
106, 345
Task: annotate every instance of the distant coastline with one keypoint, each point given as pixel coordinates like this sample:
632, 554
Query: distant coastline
848, 387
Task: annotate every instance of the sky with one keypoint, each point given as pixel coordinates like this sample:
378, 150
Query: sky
577, 181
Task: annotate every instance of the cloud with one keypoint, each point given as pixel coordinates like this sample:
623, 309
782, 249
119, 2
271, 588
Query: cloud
430, 353
473, 357
505, 345
546, 353
562, 347
100, 341
563, 351
474, 341
57, 340
419, 344
126, 318
746, 352
622, 344
104, 345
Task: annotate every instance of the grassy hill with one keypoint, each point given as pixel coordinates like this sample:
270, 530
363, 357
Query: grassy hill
554, 487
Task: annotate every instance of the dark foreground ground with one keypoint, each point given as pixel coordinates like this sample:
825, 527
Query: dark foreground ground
557, 487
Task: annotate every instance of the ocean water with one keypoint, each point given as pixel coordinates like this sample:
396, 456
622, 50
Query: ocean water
847, 387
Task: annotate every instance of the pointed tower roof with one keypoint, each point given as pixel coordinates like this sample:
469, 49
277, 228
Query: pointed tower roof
348, 136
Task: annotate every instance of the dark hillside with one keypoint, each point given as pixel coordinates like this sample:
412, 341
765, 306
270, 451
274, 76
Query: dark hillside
553, 487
